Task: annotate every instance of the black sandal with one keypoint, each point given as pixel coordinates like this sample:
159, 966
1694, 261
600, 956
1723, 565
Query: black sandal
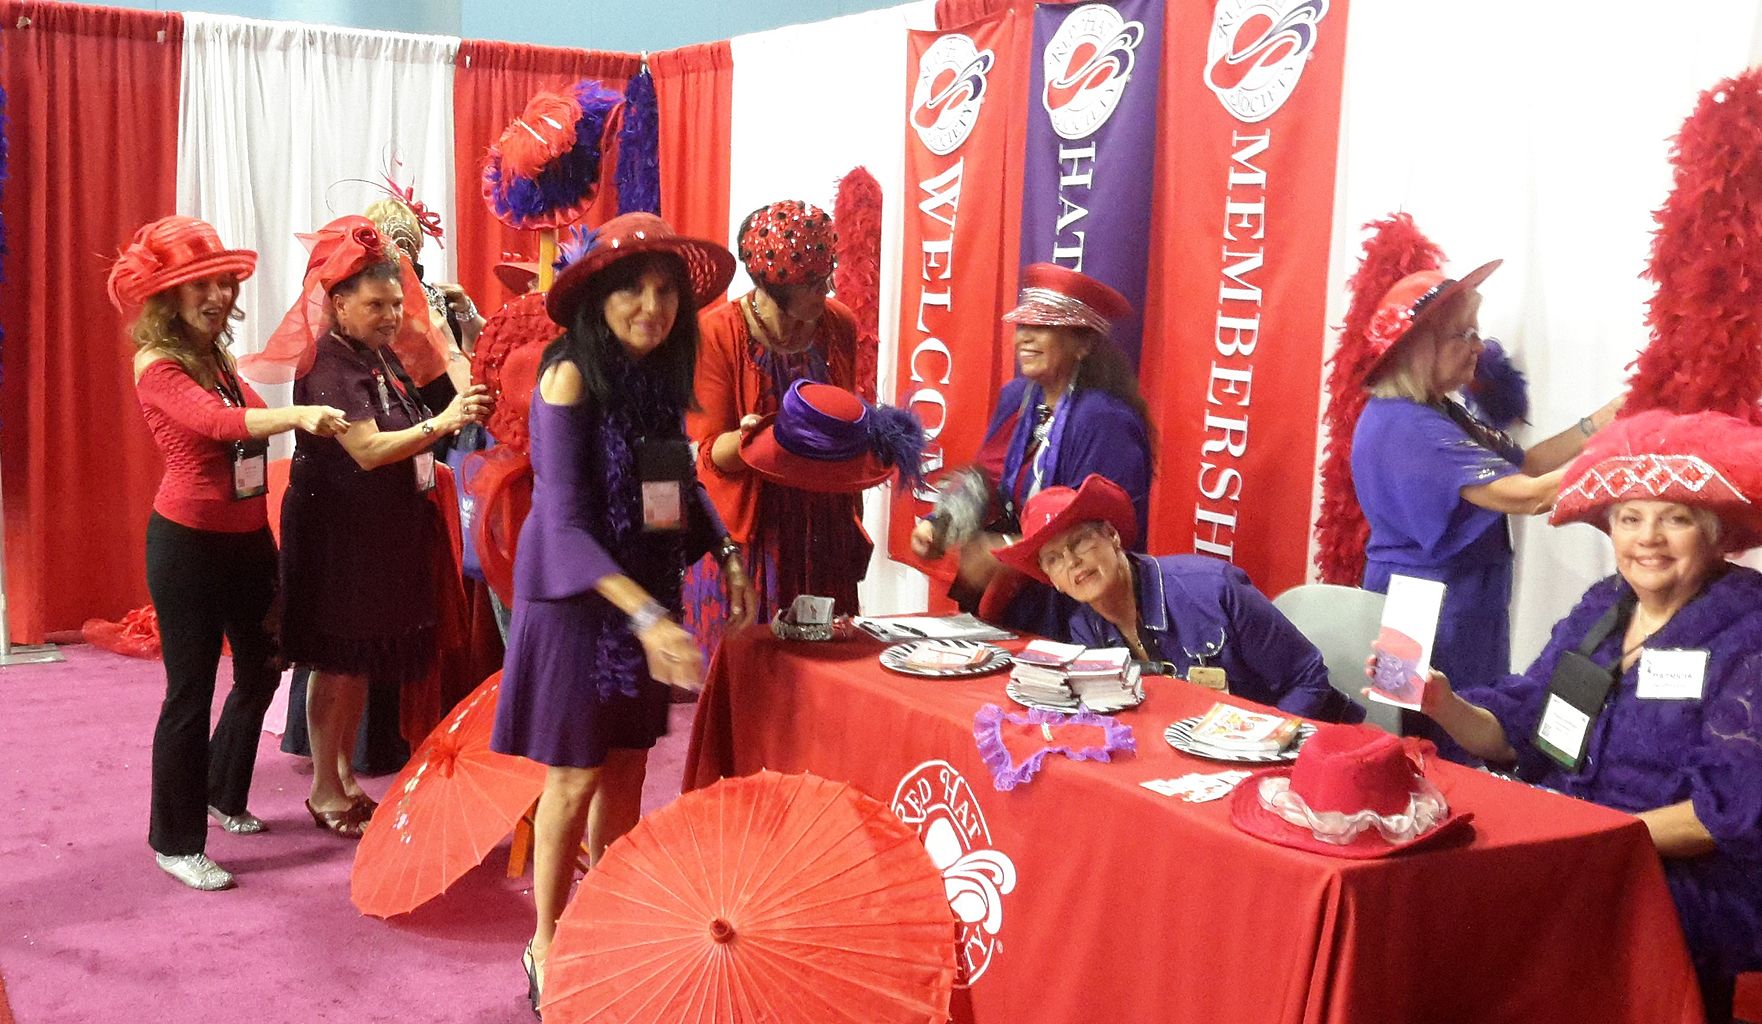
531, 964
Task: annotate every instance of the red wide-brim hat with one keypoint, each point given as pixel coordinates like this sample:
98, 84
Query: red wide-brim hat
172, 251
1055, 296
1346, 769
708, 266
1057, 509
1409, 303
1705, 460
518, 276
768, 455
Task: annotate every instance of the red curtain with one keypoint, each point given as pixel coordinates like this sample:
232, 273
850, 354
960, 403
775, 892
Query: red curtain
694, 89
92, 101
491, 85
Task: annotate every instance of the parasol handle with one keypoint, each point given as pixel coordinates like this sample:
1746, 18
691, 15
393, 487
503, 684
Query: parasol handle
547, 258
721, 931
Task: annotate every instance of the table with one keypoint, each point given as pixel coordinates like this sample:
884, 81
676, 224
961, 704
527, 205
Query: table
1087, 898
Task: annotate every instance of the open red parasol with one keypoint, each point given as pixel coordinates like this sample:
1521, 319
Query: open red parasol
445, 811
786, 899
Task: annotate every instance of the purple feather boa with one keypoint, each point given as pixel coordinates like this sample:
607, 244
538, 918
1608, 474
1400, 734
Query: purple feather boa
1499, 393
563, 183
639, 148
988, 730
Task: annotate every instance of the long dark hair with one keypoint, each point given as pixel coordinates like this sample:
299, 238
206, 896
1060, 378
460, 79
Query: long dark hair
590, 344
1107, 369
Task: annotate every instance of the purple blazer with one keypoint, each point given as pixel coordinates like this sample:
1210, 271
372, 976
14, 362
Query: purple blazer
1195, 609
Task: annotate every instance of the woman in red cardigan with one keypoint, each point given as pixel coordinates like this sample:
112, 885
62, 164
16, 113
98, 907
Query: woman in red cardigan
211, 565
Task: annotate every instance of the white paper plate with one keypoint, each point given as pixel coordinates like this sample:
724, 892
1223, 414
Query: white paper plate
1013, 691
894, 659
1180, 736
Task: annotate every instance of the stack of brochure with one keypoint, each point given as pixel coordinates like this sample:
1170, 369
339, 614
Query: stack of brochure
1065, 676
1228, 731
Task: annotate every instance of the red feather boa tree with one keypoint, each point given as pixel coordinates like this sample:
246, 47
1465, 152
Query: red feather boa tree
1395, 249
857, 280
1705, 352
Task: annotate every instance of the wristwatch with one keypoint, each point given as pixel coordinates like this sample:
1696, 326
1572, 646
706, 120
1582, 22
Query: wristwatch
427, 427
727, 549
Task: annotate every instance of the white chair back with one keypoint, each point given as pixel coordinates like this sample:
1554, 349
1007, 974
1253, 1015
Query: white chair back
1341, 622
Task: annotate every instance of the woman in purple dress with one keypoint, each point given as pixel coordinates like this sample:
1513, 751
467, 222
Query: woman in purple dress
1648, 697
1435, 483
617, 515
1075, 410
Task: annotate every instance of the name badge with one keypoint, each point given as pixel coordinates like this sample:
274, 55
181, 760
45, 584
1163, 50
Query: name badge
1576, 695
1209, 676
1564, 728
1672, 674
664, 467
663, 507
424, 463
250, 470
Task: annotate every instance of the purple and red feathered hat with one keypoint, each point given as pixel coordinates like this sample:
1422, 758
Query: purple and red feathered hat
544, 170
826, 439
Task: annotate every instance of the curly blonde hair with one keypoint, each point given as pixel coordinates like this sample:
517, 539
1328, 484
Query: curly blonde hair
158, 328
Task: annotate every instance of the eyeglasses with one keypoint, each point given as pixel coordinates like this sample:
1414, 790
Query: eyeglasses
1065, 556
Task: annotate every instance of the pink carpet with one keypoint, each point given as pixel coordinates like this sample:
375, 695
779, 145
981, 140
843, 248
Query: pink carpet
91, 930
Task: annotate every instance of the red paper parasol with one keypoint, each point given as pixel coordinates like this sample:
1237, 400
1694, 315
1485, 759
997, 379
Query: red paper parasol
787, 899
445, 811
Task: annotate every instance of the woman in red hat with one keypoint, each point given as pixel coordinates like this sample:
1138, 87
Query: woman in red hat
751, 350
361, 604
1435, 483
210, 558
1075, 410
617, 515
1648, 696
1174, 613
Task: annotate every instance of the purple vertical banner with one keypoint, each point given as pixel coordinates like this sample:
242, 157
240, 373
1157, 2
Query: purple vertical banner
1091, 150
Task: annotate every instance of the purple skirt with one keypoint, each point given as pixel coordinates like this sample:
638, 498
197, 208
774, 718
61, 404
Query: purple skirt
550, 709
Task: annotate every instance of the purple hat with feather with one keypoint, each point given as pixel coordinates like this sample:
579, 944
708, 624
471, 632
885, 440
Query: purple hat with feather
826, 439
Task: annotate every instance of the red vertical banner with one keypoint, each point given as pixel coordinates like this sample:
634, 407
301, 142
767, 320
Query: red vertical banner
962, 139
1249, 130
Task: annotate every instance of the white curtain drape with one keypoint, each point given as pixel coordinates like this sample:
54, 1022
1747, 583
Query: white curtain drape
275, 116
810, 103
1537, 133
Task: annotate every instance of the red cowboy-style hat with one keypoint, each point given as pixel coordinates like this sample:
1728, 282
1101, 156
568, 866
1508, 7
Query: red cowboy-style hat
1057, 509
1055, 296
826, 439
1706, 460
1409, 302
172, 251
1354, 791
708, 266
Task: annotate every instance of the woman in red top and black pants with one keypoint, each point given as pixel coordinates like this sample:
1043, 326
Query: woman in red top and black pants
211, 564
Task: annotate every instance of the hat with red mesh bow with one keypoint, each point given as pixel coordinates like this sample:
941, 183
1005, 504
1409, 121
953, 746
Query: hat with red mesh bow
1412, 299
1706, 460
172, 251
1055, 296
1354, 791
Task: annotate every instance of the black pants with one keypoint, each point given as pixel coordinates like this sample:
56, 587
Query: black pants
205, 584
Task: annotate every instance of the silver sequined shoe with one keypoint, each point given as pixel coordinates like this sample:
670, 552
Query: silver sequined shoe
242, 824
196, 871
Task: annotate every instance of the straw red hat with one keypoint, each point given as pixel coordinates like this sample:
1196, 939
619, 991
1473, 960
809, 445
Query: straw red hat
1706, 460
1354, 792
826, 439
172, 251
1055, 296
1409, 302
1057, 509
708, 266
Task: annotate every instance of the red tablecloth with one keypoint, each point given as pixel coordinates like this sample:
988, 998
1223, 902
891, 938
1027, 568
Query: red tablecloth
1087, 898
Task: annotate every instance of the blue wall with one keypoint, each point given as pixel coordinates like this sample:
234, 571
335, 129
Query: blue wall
584, 24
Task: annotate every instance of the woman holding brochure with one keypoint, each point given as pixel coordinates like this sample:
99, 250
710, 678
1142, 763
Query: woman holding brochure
1188, 615
1648, 697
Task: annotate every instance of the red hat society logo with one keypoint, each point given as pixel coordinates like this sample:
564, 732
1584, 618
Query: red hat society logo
937, 801
1088, 62
1257, 52
949, 90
